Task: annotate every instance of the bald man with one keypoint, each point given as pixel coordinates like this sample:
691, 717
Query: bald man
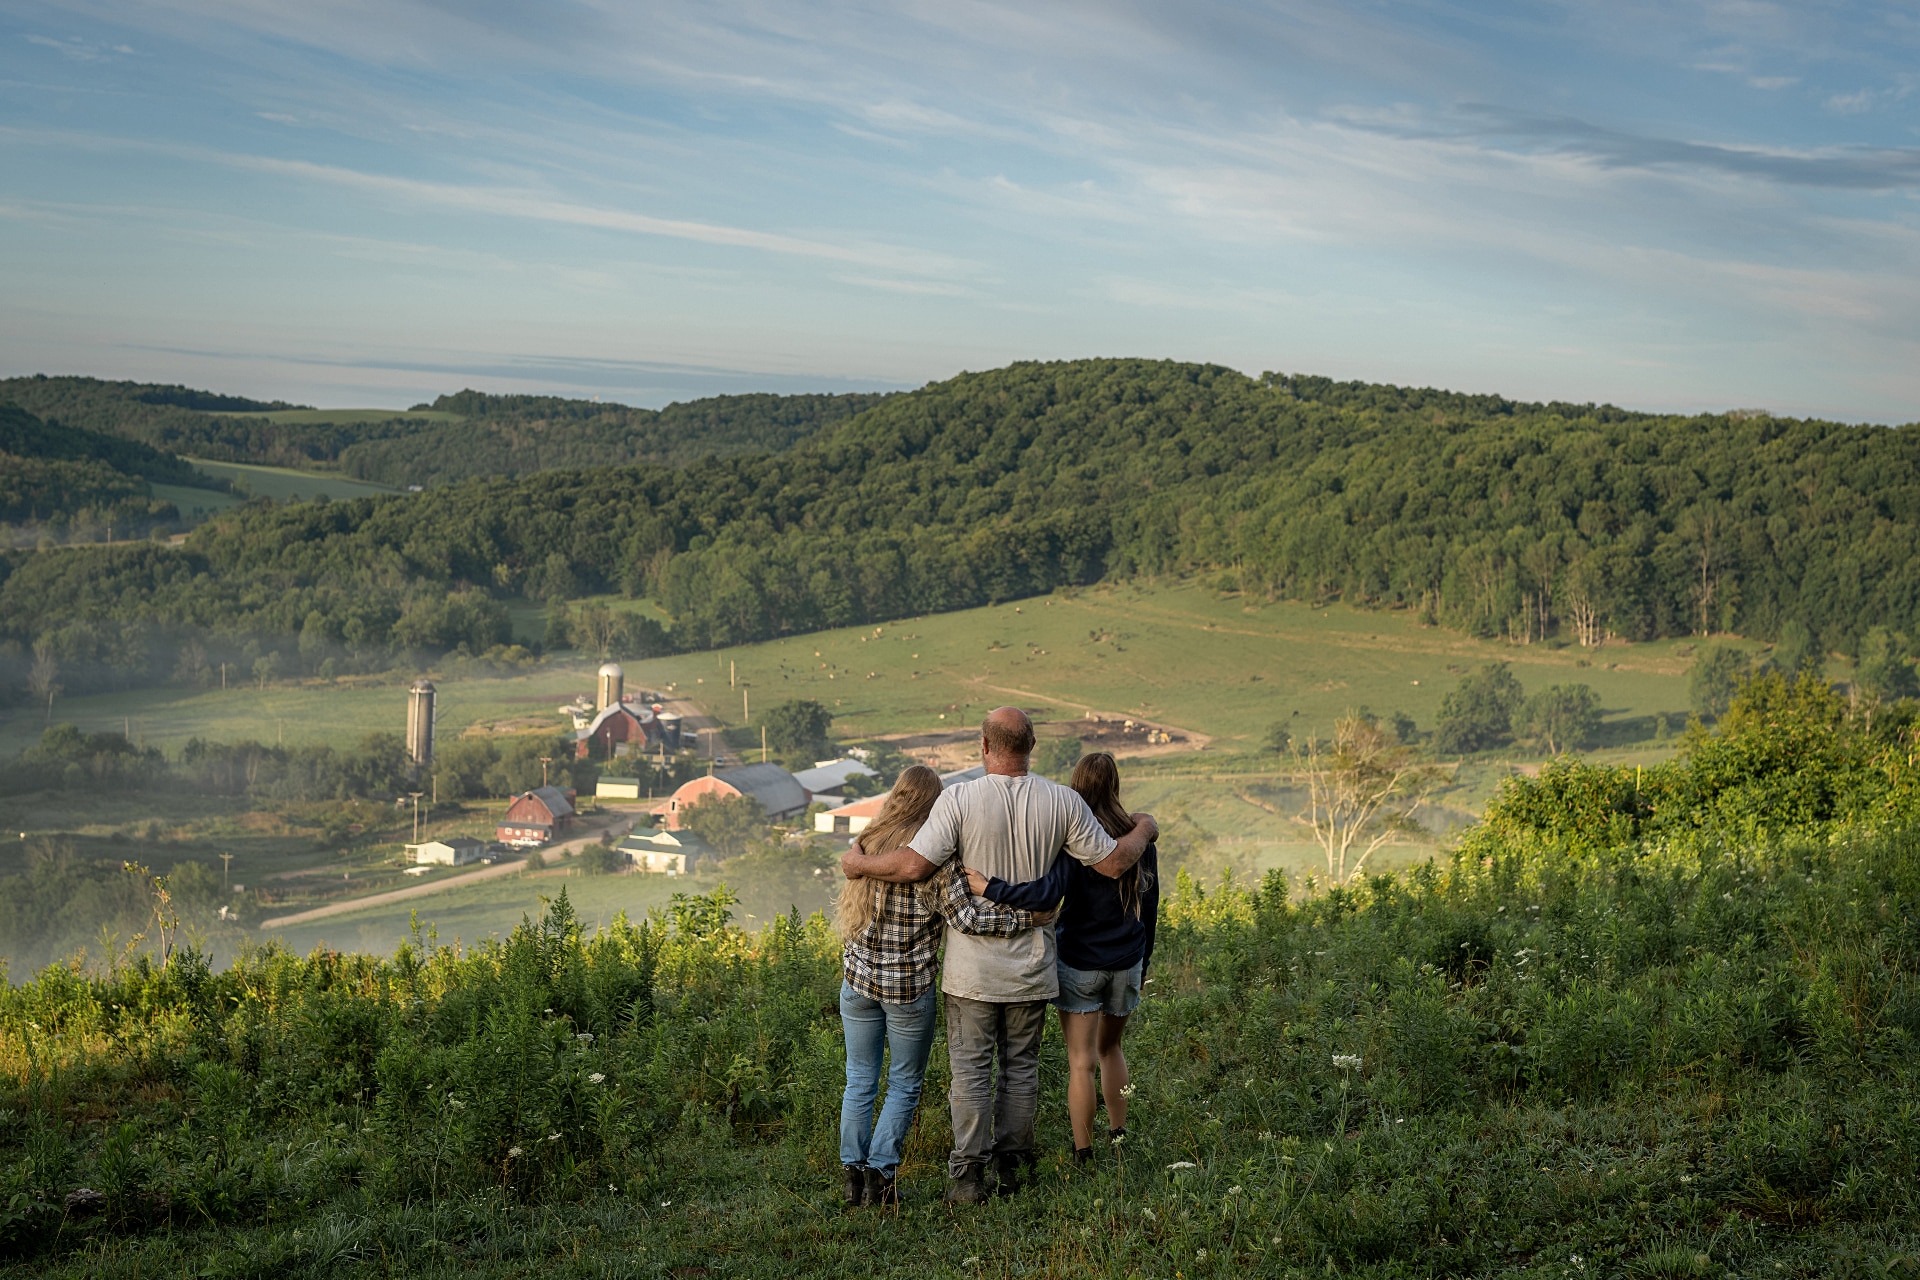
1012, 825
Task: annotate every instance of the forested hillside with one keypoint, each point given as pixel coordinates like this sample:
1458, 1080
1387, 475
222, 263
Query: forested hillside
456, 437
1491, 516
520, 435
68, 480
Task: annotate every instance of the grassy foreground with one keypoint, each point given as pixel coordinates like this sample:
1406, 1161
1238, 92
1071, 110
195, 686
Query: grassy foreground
1635, 1023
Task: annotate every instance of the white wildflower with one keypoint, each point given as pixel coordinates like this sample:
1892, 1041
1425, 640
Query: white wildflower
1201, 1256
1233, 1191
970, 1262
1347, 1061
1119, 1138
1266, 1135
585, 1037
1182, 1164
1150, 1215
597, 1077
514, 1153
553, 1137
1276, 1239
664, 1204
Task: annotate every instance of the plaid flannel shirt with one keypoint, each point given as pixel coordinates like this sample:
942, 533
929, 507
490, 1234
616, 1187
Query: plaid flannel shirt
896, 957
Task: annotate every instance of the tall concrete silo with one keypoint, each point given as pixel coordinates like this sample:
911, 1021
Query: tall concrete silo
613, 685
420, 726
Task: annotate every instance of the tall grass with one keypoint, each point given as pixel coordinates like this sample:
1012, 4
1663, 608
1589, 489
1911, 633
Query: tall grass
1684, 1048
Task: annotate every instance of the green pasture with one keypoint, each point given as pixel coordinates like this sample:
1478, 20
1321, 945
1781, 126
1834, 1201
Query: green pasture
316, 712
282, 483
345, 417
1180, 655
487, 909
1184, 656
196, 505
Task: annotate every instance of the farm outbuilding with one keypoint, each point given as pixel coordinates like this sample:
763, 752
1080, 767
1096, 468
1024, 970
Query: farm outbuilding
612, 788
454, 851
672, 853
536, 817
619, 729
772, 786
827, 777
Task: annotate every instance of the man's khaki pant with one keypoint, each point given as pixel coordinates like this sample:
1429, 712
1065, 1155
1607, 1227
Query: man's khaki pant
989, 1120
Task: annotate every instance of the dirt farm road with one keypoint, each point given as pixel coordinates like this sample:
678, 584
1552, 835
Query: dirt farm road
618, 821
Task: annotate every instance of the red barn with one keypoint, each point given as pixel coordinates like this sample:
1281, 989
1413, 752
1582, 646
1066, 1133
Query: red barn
617, 730
772, 786
533, 819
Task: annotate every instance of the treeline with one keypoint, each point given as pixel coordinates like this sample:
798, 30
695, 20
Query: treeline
1527, 521
521, 435
491, 434
72, 483
69, 759
168, 418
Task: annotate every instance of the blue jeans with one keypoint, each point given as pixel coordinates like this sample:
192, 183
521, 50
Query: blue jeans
872, 1027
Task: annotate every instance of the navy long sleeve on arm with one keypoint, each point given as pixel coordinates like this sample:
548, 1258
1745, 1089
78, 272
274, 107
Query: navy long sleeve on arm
1150, 903
1033, 895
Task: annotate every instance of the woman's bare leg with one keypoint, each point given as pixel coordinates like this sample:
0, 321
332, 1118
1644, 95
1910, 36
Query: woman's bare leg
1113, 1070
1081, 1032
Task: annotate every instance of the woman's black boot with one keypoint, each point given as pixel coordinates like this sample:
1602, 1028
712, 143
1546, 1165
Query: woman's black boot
881, 1189
856, 1184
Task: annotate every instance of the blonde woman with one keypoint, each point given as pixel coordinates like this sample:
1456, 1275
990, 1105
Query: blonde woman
888, 999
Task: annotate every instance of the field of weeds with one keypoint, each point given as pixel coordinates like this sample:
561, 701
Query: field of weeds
1655, 1023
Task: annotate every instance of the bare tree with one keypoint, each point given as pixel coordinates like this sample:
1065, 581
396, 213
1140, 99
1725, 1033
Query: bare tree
165, 918
43, 678
599, 624
1363, 789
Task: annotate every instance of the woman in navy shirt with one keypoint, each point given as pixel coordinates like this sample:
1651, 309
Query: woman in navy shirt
1105, 933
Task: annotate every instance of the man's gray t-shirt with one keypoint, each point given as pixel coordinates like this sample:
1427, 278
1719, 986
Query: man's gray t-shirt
1009, 827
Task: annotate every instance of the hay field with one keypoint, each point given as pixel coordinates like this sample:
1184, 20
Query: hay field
282, 483
1182, 655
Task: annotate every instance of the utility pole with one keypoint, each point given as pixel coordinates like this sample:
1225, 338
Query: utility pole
544, 762
763, 744
416, 815
746, 712
226, 869
730, 675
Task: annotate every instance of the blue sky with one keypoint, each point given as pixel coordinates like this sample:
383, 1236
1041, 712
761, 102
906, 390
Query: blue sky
1677, 205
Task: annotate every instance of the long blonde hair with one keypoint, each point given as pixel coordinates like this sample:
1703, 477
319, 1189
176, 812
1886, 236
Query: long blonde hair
900, 820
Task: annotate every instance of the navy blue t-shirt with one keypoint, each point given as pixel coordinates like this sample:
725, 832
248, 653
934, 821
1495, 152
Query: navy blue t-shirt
1094, 929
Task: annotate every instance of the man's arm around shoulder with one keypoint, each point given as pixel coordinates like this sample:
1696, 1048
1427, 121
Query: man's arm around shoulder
1129, 847
902, 866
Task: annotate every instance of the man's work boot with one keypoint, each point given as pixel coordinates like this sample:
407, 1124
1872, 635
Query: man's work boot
881, 1189
969, 1186
1007, 1165
856, 1184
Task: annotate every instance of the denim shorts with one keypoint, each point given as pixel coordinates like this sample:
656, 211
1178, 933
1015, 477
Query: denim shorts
1115, 992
